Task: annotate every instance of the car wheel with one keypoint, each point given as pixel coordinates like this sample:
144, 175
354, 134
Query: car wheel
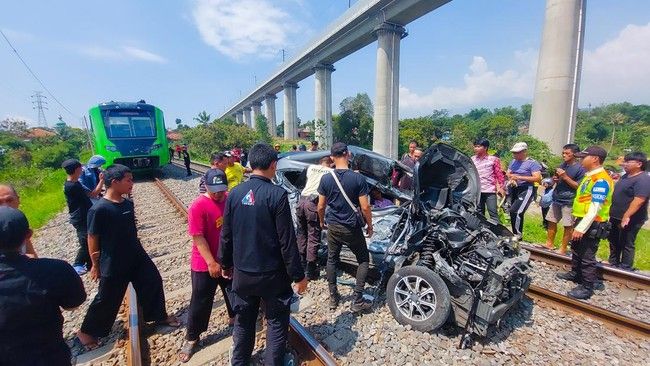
417, 296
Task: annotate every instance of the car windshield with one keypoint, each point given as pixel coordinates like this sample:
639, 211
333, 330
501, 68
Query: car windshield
129, 123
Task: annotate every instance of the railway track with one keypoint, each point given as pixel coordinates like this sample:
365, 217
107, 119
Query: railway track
548, 297
310, 351
609, 273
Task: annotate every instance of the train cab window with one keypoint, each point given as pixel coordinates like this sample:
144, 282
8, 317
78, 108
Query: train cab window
129, 124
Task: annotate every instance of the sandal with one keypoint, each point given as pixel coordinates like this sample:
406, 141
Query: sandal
171, 321
186, 351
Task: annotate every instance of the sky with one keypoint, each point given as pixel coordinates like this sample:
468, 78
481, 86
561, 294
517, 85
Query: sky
186, 56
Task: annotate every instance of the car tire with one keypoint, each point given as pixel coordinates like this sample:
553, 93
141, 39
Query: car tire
418, 297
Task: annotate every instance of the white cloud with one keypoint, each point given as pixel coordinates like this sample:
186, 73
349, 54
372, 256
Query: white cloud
121, 53
245, 27
480, 85
18, 36
617, 70
143, 55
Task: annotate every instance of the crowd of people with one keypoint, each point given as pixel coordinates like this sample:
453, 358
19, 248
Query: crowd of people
244, 241
580, 195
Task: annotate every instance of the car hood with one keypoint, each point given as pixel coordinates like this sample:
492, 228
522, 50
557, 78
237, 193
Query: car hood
444, 175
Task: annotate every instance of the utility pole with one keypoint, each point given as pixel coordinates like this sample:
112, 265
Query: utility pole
39, 103
283, 55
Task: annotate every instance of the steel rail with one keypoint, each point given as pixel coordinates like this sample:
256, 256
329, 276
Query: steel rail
310, 351
609, 318
133, 349
607, 272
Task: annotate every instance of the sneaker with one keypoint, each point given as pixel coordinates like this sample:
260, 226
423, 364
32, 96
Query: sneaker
569, 276
80, 269
334, 301
361, 306
581, 292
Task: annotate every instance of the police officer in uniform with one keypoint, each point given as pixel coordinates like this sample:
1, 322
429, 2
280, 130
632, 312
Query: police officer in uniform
591, 209
258, 251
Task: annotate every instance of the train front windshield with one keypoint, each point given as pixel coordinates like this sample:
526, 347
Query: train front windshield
129, 123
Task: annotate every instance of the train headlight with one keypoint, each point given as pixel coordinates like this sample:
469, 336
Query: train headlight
112, 148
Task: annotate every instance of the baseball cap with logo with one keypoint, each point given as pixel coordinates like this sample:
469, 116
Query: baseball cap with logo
215, 181
519, 147
593, 151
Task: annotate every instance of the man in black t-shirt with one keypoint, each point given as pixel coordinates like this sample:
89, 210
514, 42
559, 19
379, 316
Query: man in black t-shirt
118, 258
78, 205
629, 210
33, 291
344, 222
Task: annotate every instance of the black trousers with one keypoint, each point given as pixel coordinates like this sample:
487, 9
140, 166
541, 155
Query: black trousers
82, 258
621, 244
204, 288
337, 236
148, 286
276, 310
521, 198
583, 260
489, 200
308, 233
187, 167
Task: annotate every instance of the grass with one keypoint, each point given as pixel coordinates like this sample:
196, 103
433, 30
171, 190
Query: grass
42, 203
534, 232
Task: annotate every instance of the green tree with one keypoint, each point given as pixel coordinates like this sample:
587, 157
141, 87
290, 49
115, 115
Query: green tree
262, 128
354, 125
202, 118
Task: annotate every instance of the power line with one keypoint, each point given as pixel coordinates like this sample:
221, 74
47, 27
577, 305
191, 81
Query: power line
34, 75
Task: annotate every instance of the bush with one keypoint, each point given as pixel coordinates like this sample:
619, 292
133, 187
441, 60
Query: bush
53, 155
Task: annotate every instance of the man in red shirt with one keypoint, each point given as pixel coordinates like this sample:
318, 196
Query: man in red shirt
204, 222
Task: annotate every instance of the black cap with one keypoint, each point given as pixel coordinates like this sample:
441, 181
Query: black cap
593, 151
13, 227
70, 163
215, 181
339, 149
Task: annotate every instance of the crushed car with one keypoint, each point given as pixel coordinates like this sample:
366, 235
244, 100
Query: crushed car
441, 258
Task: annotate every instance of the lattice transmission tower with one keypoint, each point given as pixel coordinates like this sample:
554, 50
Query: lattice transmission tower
39, 102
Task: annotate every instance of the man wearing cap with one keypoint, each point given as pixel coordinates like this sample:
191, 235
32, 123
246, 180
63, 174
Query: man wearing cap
217, 161
523, 172
308, 226
258, 251
33, 291
91, 179
78, 206
345, 193
10, 198
629, 210
591, 209
277, 147
204, 222
491, 177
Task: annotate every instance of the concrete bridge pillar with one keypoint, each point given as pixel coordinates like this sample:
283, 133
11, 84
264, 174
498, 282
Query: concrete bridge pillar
323, 105
290, 110
257, 111
247, 117
386, 117
555, 102
239, 116
269, 100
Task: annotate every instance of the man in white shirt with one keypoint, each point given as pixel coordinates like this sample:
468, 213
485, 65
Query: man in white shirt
309, 229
